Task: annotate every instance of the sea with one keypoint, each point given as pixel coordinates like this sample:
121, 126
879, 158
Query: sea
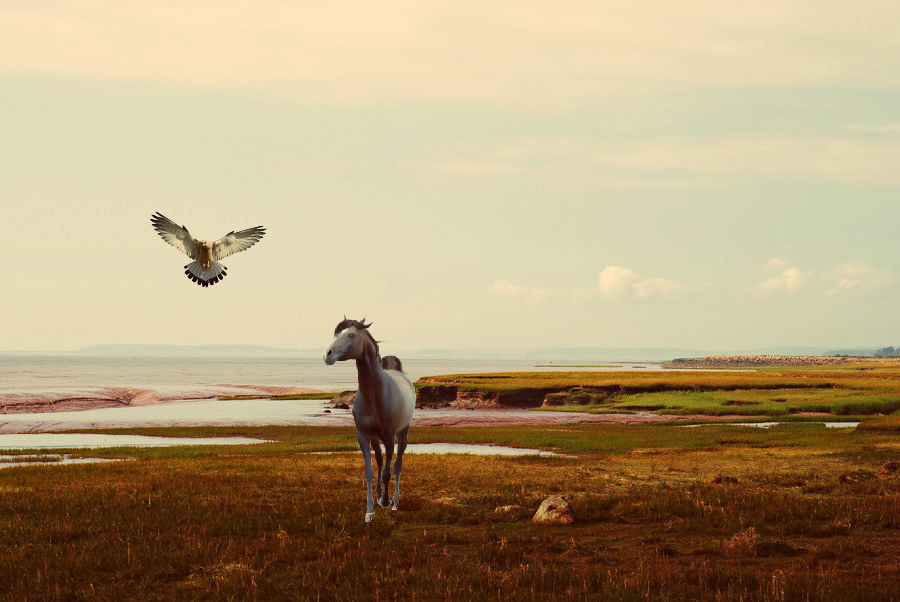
65, 379
44, 393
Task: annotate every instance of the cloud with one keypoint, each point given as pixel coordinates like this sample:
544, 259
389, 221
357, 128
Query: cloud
656, 287
788, 279
618, 282
526, 294
500, 52
859, 276
671, 161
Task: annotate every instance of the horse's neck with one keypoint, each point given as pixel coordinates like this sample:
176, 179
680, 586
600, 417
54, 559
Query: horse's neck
370, 373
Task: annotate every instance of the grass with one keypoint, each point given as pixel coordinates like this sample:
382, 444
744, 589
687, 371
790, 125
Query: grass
851, 390
811, 513
885, 424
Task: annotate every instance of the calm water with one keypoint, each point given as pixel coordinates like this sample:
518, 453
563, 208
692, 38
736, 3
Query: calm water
25, 378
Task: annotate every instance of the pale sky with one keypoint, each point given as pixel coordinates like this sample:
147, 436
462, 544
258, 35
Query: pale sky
691, 174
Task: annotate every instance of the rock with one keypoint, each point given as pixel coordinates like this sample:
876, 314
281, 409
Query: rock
507, 509
434, 395
554, 511
343, 401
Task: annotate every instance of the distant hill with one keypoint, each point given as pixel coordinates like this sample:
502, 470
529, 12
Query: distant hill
195, 351
567, 354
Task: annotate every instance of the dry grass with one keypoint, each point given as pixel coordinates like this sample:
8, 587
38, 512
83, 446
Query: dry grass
808, 514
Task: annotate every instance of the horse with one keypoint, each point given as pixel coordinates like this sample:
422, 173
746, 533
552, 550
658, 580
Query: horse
383, 407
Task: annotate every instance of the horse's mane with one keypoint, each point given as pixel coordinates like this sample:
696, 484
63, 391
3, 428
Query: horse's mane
391, 362
362, 327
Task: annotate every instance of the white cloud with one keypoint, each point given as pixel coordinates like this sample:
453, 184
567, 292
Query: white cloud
527, 294
617, 282
788, 279
860, 276
656, 287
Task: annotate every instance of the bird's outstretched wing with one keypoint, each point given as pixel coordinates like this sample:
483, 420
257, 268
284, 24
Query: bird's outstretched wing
176, 235
235, 242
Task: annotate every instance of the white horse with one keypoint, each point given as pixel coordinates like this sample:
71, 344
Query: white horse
383, 407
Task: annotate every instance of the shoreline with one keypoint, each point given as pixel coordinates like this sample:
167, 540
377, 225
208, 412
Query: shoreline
125, 397
262, 412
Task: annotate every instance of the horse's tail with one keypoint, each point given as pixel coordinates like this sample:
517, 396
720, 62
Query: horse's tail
391, 362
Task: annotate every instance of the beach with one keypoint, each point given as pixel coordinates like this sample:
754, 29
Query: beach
45, 393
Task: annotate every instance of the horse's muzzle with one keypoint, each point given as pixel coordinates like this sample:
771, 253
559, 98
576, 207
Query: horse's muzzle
328, 355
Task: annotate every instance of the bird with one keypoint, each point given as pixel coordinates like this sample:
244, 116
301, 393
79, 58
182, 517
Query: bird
205, 270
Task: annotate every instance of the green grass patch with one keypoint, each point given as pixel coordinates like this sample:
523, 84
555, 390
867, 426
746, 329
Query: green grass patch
842, 391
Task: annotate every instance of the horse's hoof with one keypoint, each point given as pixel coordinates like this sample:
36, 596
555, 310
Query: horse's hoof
370, 516
395, 504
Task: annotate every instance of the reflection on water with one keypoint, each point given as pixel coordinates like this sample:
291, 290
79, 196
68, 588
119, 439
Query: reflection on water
475, 450
465, 448
765, 425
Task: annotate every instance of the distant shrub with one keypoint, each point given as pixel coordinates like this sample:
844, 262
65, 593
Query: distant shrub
888, 352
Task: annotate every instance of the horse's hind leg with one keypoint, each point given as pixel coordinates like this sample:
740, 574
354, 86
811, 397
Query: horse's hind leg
386, 476
367, 457
398, 466
376, 447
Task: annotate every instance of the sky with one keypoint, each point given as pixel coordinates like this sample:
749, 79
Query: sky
691, 174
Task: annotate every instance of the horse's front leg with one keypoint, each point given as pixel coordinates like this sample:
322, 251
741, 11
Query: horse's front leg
386, 476
398, 466
376, 447
367, 457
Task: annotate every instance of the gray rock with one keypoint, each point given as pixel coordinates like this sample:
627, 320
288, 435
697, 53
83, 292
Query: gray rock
554, 511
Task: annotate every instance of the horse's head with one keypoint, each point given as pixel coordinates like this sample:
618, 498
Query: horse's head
350, 338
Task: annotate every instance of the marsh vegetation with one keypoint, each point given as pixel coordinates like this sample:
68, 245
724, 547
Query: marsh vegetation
793, 512
848, 390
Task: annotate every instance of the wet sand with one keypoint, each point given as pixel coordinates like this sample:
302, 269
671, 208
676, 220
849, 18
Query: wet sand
122, 397
258, 412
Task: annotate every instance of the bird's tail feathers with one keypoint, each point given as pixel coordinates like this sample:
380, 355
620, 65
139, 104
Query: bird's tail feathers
205, 276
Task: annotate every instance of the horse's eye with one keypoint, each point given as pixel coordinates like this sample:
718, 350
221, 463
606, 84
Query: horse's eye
352, 335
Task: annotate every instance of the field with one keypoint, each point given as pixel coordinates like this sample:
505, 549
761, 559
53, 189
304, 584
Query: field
853, 390
809, 513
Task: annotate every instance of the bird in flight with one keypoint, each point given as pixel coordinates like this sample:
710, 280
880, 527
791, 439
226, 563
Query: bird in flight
205, 270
